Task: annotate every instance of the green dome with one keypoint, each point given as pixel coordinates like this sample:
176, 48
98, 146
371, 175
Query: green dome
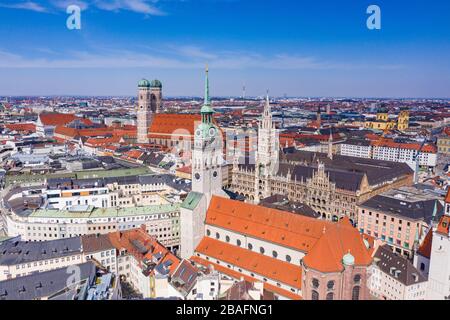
348, 259
144, 83
382, 109
206, 109
156, 84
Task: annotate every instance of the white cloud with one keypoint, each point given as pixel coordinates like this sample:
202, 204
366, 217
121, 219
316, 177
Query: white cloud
139, 6
27, 5
176, 58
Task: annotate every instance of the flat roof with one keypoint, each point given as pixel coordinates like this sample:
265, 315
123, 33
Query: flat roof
105, 212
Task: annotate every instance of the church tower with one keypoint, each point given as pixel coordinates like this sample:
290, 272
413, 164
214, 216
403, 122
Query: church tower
156, 96
267, 156
207, 157
403, 119
144, 112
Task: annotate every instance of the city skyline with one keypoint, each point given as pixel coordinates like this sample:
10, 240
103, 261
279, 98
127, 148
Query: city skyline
297, 49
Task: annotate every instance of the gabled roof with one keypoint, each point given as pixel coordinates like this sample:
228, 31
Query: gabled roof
443, 226
397, 267
55, 119
339, 239
425, 248
285, 228
43, 285
324, 243
170, 123
271, 268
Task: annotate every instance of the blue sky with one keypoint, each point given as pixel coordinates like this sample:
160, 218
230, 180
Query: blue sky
298, 48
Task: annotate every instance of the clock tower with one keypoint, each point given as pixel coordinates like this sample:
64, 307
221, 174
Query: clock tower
207, 155
207, 160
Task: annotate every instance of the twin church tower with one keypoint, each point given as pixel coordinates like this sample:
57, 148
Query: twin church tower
149, 103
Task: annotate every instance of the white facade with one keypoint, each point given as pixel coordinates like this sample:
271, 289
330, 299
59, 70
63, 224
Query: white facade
63, 199
23, 269
439, 274
267, 156
163, 223
387, 286
426, 159
355, 150
387, 153
106, 257
207, 162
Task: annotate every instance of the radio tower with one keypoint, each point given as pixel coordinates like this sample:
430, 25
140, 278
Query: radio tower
243, 91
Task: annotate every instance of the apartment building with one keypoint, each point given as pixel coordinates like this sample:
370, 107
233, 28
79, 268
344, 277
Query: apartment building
53, 285
98, 247
394, 277
162, 221
399, 217
21, 258
389, 150
144, 262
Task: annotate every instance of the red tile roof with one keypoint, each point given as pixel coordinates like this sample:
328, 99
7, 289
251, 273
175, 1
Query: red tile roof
425, 247
30, 127
95, 142
169, 123
443, 226
447, 196
285, 228
389, 143
57, 119
262, 265
324, 243
340, 239
238, 276
128, 240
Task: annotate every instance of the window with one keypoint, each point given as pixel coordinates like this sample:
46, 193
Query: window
261, 249
330, 285
288, 258
274, 254
238, 242
208, 232
314, 295
227, 239
330, 296
250, 246
357, 278
355, 293
217, 235
315, 283
422, 266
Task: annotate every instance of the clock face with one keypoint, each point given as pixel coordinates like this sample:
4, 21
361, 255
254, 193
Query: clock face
212, 132
198, 132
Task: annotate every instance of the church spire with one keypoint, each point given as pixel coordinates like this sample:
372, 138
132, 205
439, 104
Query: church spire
330, 144
207, 101
207, 111
267, 110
